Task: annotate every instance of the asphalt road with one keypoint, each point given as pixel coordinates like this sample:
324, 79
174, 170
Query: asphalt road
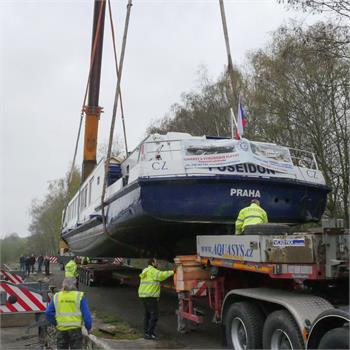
124, 303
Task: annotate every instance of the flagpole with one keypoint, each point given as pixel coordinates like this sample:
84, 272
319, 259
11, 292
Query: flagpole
231, 125
234, 120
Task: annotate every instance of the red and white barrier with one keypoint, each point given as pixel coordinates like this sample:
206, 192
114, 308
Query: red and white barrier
53, 259
27, 301
118, 261
11, 277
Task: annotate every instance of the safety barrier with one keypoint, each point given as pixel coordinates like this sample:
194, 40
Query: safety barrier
16, 298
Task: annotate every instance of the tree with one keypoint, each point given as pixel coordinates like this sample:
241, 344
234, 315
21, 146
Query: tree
339, 7
296, 92
300, 97
46, 214
118, 150
203, 112
12, 247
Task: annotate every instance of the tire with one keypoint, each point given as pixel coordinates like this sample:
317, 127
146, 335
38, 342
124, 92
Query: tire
325, 322
243, 326
337, 338
282, 332
266, 229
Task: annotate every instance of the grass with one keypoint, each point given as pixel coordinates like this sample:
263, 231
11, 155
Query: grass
121, 329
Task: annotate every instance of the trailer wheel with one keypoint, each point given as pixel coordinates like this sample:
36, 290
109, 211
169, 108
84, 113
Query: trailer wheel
243, 326
281, 332
337, 338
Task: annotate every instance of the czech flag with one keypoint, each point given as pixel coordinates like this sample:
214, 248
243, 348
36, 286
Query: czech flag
241, 121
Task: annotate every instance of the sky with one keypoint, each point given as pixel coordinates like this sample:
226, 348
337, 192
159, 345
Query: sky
44, 62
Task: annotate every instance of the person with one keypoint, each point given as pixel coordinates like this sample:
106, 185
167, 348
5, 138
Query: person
28, 265
22, 263
251, 215
71, 270
149, 293
40, 262
47, 265
63, 258
68, 310
32, 262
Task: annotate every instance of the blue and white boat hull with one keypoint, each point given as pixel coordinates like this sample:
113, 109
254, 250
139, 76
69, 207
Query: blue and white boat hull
161, 216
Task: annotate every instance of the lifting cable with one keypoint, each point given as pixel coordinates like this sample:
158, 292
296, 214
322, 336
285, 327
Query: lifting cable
227, 43
115, 107
93, 55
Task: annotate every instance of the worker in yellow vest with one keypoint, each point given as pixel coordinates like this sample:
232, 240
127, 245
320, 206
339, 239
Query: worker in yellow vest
68, 310
149, 293
71, 270
251, 215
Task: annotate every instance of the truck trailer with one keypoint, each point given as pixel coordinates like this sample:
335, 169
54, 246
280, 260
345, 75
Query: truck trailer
269, 288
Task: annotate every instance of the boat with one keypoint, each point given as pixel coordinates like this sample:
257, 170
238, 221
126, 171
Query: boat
175, 186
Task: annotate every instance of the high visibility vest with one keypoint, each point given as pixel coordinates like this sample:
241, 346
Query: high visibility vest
67, 307
70, 269
150, 281
251, 215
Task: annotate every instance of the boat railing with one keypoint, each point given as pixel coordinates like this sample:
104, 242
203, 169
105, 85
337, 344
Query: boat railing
302, 158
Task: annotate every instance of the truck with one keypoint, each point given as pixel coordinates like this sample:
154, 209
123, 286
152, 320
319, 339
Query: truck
269, 288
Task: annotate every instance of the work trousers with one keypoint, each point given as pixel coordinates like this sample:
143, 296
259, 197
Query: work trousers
151, 314
71, 339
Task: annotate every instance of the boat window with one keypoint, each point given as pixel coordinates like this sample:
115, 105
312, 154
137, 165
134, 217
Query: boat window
115, 173
303, 158
73, 207
90, 189
154, 150
98, 180
85, 194
126, 177
83, 200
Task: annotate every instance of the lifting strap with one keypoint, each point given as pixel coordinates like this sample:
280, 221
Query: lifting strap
114, 113
227, 43
118, 76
